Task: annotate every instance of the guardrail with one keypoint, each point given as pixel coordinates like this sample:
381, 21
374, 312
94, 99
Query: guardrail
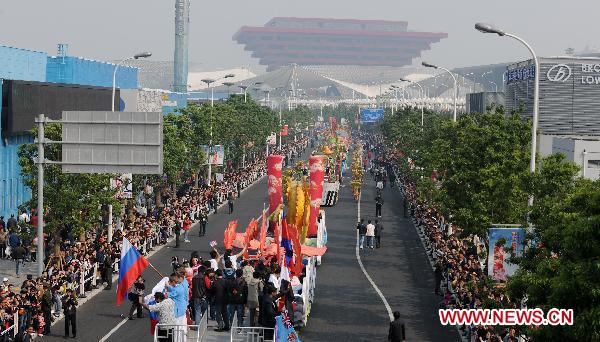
252, 334
176, 333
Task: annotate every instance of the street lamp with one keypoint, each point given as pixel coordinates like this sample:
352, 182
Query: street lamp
243, 88
422, 94
114, 86
428, 65
228, 84
208, 82
486, 28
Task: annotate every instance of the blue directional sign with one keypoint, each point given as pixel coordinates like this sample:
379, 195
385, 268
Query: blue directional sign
370, 114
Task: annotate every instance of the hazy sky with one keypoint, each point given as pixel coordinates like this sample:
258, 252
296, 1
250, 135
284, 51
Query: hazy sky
110, 29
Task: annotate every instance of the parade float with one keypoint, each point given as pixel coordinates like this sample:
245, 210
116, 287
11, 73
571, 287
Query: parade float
335, 148
292, 230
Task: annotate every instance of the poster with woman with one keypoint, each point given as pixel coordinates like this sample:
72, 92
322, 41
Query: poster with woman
505, 242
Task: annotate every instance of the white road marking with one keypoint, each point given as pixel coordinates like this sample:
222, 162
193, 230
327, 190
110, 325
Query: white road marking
362, 267
105, 338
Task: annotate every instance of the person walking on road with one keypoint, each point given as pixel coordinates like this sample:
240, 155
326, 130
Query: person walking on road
199, 294
438, 275
378, 205
370, 234
378, 230
230, 202
362, 231
397, 331
19, 255
70, 310
220, 287
203, 222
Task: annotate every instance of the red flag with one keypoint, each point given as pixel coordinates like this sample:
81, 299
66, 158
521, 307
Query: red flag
277, 238
250, 232
230, 234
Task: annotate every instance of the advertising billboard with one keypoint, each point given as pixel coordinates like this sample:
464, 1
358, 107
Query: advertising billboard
216, 156
370, 114
24, 100
504, 242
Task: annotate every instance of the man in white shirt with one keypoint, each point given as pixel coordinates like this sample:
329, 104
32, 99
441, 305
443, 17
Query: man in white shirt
166, 312
275, 278
370, 234
24, 217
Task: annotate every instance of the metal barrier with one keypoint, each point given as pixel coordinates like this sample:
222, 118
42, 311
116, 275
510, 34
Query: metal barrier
176, 333
203, 327
14, 328
252, 334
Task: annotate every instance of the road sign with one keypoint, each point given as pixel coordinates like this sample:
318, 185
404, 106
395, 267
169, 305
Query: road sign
112, 142
371, 114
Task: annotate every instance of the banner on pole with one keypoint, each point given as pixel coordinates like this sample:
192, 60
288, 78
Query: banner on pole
504, 242
214, 156
272, 139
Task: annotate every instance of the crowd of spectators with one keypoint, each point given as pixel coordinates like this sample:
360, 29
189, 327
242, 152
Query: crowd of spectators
90, 260
460, 270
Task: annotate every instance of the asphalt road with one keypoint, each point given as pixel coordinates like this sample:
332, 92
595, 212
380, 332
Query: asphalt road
346, 307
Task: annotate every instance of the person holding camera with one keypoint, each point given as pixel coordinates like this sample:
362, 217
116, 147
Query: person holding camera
70, 311
135, 293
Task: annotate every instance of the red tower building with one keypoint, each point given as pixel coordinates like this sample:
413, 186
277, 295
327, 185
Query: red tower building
312, 41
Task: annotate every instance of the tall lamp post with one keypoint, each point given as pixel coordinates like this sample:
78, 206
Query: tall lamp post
243, 88
428, 65
208, 82
422, 94
112, 106
114, 84
228, 85
486, 28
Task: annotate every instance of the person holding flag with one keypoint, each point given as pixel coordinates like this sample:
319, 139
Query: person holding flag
131, 267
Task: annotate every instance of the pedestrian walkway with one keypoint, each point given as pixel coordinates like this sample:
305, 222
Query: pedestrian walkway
8, 270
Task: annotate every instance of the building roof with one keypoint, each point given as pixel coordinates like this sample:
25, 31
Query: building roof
317, 41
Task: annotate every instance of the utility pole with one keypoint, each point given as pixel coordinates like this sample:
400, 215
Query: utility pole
40, 200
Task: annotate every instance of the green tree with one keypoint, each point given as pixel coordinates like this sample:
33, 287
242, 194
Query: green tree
561, 266
70, 200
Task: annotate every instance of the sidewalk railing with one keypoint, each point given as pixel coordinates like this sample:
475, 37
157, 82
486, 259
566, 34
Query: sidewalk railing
14, 328
177, 333
252, 334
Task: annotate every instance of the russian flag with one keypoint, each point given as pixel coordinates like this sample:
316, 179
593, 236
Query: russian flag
286, 243
131, 266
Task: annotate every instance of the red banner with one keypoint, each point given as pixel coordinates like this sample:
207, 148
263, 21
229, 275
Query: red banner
317, 174
274, 166
263, 233
295, 238
284, 131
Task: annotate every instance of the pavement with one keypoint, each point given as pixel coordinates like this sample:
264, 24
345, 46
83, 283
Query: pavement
346, 307
8, 270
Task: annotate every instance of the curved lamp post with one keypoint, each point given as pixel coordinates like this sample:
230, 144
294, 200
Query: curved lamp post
428, 65
422, 94
114, 84
486, 28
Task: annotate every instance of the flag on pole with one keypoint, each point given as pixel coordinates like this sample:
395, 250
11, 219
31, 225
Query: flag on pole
131, 266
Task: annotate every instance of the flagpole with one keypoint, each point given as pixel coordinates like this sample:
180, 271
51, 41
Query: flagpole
154, 268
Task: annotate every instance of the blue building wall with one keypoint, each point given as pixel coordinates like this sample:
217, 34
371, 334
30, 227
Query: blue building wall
75, 70
21, 64
16, 64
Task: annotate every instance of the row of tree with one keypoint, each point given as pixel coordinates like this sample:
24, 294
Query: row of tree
75, 200
476, 172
